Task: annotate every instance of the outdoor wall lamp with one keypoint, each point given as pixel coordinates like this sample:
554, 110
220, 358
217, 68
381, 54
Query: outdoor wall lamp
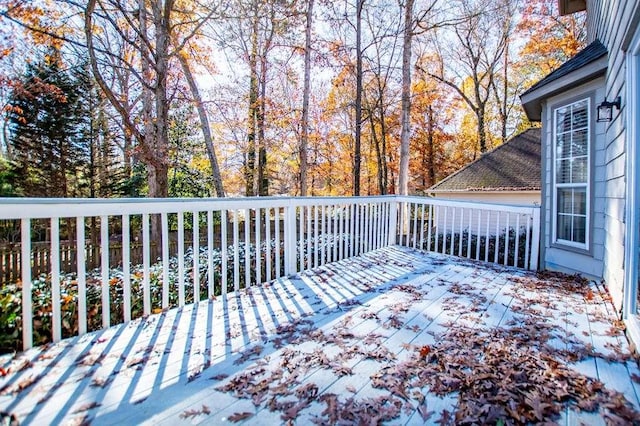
605, 109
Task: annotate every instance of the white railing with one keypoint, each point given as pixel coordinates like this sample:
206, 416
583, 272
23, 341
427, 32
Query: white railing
496, 233
193, 249
238, 242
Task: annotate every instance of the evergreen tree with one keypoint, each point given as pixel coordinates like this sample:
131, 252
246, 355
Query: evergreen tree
47, 130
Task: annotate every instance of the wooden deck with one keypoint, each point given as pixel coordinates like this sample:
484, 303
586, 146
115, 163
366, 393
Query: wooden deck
396, 335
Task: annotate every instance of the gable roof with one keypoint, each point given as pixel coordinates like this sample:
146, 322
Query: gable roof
513, 166
587, 64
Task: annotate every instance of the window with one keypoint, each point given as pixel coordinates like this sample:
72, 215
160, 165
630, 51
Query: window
571, 174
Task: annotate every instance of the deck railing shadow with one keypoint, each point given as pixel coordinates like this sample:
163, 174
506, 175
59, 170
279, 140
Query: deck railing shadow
173, 380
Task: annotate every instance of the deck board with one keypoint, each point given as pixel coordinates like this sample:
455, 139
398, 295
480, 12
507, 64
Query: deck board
361, 314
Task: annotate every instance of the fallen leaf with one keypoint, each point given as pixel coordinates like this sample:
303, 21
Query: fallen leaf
424, 351
219, 377
194, 412
86, 407
238, 417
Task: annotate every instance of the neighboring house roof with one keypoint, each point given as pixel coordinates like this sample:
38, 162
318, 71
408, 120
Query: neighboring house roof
587, 64
513, 166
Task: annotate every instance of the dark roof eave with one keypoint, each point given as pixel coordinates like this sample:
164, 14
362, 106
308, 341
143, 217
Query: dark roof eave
532, 99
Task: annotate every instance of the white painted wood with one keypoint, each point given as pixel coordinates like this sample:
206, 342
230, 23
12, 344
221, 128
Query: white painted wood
196, 255
497, 239
337, 211
247, 248
479, 235
27, 310
486, 239
323, 232
632, 205
506, 239
301, 239
180, 255
535, 240
126, 267
309, 234
81, 277
146, 265
517, 243
165, 386
316, 238
236, 252
224, 217
56, 319
104, 267
164, 219
290, 266
258, 224
393, 224
210, 248
268, 237
277, 230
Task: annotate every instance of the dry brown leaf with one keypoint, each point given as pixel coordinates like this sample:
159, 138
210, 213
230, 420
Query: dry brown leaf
238, 417
86, 407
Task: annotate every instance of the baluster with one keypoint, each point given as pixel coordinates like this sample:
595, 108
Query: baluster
104, 266
126, 267
146, 265
165, 260
210, 269
180, 259
196, 256
81, 278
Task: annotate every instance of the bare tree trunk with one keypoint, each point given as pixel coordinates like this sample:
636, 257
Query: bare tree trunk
405, 100
250, 160
432, 165
304, 141
357, 148
204, 123
263, 178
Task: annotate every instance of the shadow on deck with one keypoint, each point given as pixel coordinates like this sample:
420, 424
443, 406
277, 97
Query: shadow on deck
394, 335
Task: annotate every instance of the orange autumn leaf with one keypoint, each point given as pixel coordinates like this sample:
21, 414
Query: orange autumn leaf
589, 295
424, 351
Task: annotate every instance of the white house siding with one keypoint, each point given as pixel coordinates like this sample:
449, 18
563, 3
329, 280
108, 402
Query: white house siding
458, 220
609, 21
556, 257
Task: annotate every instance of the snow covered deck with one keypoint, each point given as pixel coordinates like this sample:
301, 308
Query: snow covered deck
395, 335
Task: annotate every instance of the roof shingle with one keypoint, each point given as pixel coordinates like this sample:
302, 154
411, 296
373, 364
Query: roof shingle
513, 166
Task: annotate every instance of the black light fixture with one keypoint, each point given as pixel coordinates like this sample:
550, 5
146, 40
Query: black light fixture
605, 109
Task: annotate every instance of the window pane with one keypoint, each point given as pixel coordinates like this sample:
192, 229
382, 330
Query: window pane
572, 157
579, 143
579, 229
563, 146
565, 201
564, 228
563, 120
563, 172
580, 115
580, 201
579, 170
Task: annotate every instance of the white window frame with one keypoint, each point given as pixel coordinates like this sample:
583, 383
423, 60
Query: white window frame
632, 210
586, 185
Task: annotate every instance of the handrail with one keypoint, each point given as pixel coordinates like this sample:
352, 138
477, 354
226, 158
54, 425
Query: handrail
258, 239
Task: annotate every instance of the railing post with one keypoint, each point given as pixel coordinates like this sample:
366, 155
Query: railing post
290, 239
27, 310
393, 222
535, 240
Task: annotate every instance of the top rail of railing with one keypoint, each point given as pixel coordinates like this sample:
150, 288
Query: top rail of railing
34, 208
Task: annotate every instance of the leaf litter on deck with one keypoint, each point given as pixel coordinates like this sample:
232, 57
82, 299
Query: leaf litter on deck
510, 374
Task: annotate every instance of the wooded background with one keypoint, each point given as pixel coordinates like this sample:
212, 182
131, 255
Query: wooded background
185, 98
